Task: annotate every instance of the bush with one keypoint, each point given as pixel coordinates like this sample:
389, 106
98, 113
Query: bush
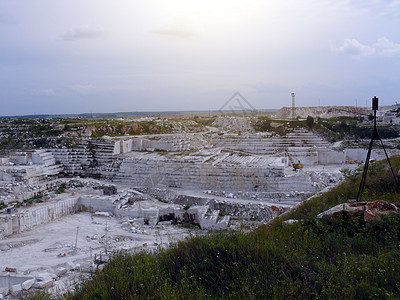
310, 121
365, 291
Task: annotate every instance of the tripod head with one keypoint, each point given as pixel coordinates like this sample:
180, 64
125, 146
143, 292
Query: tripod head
375, 103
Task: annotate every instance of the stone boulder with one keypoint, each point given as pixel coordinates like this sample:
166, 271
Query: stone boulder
45, 276
44, 284
61, 271
26, 285
350, 209
370, 211
375, 209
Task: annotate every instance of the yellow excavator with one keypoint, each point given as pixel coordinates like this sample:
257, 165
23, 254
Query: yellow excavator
296, 166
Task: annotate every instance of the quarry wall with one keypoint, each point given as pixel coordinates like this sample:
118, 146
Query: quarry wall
25, 220
150, 171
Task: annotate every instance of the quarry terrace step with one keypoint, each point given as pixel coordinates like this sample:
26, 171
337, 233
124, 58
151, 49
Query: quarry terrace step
270, 184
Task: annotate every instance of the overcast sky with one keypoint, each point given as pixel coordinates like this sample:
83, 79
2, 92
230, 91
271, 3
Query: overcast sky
70, 56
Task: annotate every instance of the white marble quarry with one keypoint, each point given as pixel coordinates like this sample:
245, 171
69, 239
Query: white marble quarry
359, 155
24, 220
74, 160
130, 158
92, 157
166, 142
27, 174
42, 157
196, 161
226, 170
265, 144
30, 167
48, 161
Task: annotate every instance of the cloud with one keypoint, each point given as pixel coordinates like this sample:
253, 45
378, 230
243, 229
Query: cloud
83, 32
386, 48
354, 49
44, 92
181, 27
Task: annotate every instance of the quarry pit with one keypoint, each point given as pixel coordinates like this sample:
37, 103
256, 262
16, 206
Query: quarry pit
66, 210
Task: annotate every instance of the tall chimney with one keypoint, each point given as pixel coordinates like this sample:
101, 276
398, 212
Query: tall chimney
293, 106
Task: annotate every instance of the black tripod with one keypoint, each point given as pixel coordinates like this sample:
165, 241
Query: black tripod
375, 136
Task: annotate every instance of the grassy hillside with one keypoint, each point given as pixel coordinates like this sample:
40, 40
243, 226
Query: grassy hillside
346, 259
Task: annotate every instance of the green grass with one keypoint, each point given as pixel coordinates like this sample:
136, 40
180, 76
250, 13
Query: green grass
345, 259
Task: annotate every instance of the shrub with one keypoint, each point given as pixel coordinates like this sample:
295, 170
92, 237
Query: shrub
310, 121
365, 291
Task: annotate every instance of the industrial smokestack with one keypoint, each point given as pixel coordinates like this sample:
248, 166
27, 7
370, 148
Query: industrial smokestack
293, 106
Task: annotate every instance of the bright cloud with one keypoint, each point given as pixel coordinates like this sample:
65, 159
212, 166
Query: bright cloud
386, 47
355, 49
180, 26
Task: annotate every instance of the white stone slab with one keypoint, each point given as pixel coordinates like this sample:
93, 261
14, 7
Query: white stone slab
26, 285
44, 284
61, 271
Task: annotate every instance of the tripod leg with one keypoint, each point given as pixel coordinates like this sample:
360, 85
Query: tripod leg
390, 165
364, 175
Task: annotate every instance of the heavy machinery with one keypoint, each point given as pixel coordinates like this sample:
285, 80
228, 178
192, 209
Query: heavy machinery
296, 166
397, 108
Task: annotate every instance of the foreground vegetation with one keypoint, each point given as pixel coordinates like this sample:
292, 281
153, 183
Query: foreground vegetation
310, 259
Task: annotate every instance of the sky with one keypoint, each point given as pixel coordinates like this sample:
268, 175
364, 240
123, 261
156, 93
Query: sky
70, 56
